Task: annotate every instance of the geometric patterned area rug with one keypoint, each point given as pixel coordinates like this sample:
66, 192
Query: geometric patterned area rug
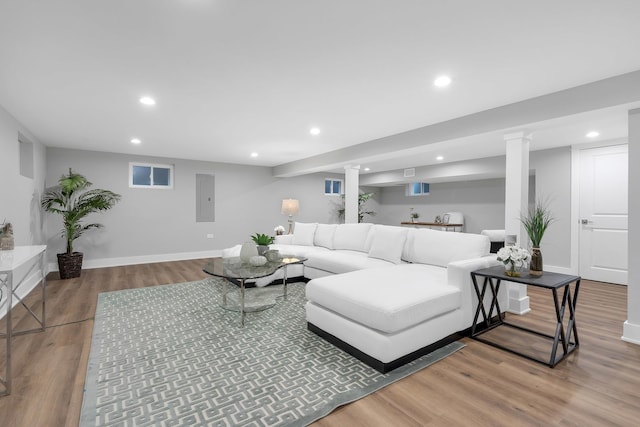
171, 356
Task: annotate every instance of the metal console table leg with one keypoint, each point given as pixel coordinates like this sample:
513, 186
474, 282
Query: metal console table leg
5, 381
20, 256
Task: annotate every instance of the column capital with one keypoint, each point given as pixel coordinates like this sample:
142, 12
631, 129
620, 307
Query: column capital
352, 167
517, 136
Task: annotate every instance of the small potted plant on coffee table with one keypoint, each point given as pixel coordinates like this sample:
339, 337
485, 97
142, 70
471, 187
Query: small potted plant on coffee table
262, 241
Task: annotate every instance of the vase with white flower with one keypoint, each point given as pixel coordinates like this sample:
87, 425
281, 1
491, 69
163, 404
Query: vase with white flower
514, 259
279, 230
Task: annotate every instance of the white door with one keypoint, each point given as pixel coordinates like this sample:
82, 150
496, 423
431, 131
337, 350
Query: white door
604, 213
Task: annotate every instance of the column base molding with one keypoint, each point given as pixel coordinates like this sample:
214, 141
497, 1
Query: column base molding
631, 333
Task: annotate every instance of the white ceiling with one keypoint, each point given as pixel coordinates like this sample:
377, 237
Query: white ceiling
567, 130
234, 77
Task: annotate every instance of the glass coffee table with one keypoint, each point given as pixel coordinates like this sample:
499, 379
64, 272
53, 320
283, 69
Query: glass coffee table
236, 271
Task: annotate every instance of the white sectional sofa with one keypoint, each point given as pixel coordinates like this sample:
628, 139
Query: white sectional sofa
386, 294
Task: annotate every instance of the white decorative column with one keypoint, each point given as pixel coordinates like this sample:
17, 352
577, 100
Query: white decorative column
351, 190
516, 203
631, 328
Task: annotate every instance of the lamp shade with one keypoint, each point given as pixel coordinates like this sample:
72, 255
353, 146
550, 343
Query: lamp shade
290, 206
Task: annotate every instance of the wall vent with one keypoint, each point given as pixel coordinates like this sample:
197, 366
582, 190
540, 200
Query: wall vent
408, 173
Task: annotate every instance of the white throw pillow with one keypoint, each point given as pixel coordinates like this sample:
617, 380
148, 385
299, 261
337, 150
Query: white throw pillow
351, 237
303, 234
388, 243
324, 235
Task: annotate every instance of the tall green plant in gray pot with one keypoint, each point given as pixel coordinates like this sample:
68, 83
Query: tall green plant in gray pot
73, 200
536, 223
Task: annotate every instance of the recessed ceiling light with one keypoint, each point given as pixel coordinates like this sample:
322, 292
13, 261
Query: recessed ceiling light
593, 134
442, 81
147, 100
314, 131
254, 154
135, 141
367, 169
439, 158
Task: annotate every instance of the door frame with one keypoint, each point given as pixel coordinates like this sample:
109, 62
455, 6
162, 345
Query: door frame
575, 197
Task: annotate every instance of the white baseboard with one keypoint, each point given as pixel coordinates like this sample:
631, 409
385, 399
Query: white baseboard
518, 306
631, 333
518, 299
142, 259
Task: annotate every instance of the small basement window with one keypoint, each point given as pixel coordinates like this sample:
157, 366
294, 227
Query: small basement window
417, 189
332, 186
147, 175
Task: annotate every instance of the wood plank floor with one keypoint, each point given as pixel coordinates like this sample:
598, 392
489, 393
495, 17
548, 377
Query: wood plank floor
598, 385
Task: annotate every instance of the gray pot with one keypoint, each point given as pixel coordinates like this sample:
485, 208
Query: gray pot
272, 255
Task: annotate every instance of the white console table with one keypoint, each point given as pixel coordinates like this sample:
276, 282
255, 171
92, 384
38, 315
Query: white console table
434, 225
17, 268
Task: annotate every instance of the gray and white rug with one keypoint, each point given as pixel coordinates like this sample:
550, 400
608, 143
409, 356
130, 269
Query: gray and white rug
171, 356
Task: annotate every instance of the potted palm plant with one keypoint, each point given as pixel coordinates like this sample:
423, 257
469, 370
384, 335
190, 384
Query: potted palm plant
73, 200
362, 199
536, 223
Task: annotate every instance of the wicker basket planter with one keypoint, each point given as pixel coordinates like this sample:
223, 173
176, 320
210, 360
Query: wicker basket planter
70, 265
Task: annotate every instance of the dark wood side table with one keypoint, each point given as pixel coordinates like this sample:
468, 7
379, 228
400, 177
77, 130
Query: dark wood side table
493, 278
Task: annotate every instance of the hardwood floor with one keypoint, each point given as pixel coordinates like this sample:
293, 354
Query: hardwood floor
597, 385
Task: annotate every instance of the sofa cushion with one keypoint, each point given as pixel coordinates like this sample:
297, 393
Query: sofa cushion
303, 234
351, 237
495, 235
387, 299
388, 243
436, 247
284, 249
298, 250
338, 262
283, 239
324, 235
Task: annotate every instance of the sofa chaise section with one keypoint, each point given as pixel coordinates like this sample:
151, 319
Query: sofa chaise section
391, 315
386, 294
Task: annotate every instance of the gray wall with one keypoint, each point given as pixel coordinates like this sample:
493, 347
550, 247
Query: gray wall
153, 222
20, 196
553, 185
481, 202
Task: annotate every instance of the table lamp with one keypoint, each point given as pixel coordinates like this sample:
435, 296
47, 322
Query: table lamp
290, 207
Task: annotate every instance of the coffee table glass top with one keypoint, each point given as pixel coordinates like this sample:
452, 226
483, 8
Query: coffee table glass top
236, 271
235, 268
